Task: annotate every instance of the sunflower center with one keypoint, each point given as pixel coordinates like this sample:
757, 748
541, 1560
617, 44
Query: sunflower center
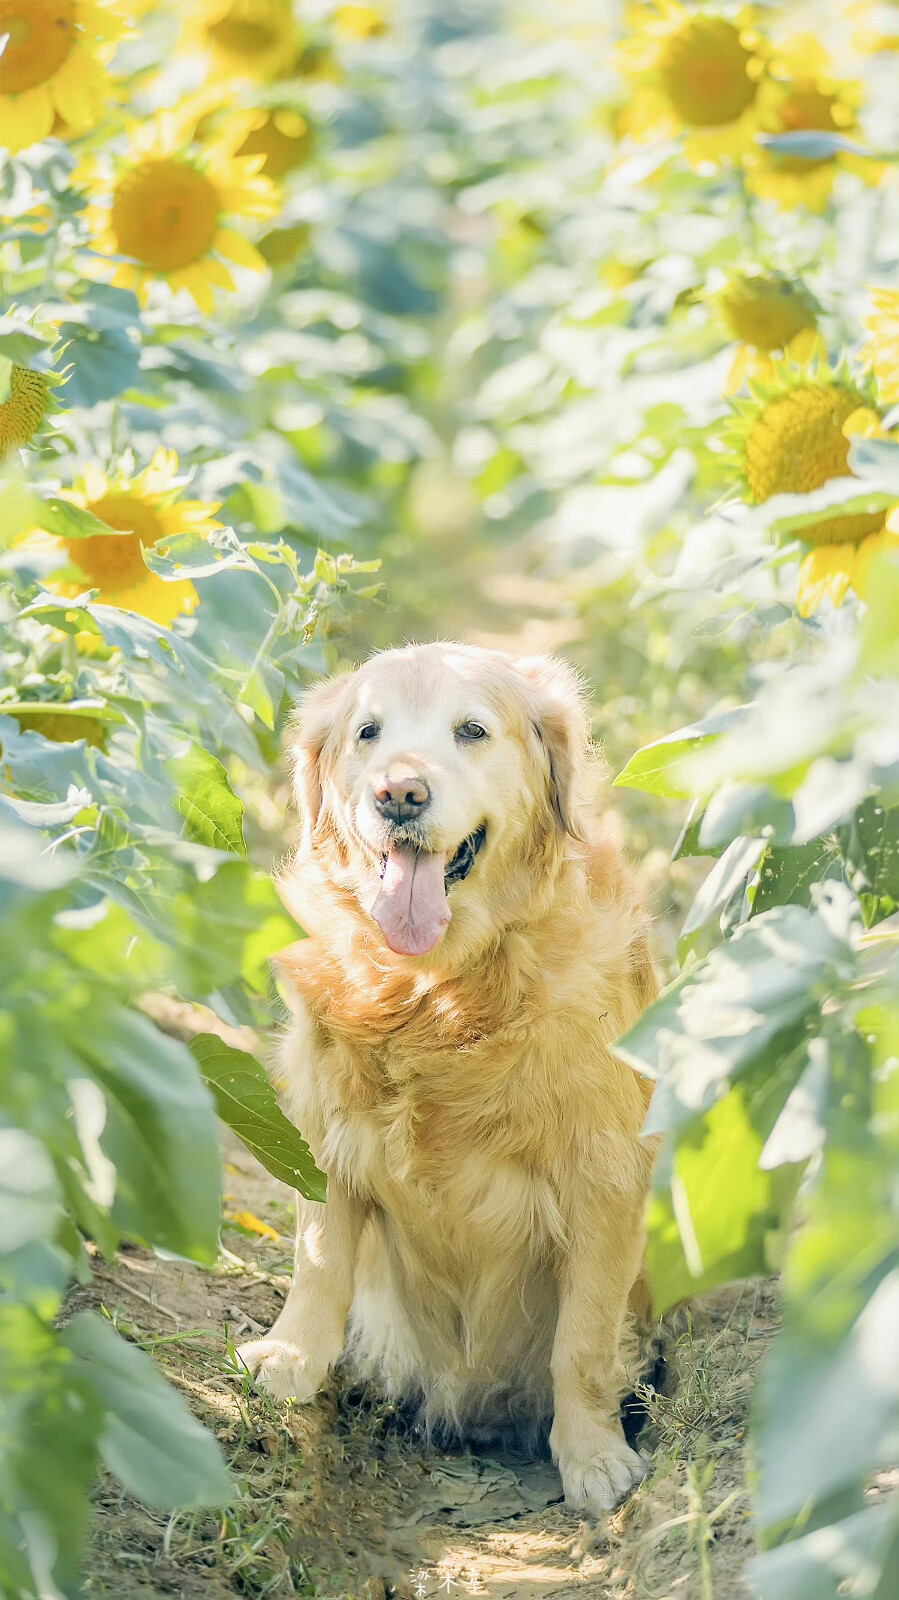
797, 444
165, 214
114, 561
22, 413
235, 36
765, 312
705, 74
41, 34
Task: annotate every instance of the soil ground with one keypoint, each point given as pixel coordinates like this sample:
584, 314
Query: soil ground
337, 1501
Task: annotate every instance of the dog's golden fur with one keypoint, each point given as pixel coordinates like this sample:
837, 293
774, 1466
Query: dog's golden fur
483, 1232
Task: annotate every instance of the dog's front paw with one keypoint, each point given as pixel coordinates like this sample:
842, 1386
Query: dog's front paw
598, 1468
282, 1369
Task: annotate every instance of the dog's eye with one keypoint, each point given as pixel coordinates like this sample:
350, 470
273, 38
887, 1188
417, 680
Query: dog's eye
369, 730
471, 730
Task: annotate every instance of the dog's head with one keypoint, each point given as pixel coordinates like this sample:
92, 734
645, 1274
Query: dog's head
442, 779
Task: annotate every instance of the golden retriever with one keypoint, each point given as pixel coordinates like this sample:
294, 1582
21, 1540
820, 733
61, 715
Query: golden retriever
474, 947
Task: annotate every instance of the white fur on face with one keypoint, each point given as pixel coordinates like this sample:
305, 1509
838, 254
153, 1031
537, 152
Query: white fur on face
420, 703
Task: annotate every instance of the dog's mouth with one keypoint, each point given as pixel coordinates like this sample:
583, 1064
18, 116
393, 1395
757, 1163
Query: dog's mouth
411, 909
460, 865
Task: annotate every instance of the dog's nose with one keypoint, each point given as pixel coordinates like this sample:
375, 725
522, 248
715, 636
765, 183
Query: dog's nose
401, 795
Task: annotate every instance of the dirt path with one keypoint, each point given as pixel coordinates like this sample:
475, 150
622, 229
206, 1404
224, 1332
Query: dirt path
335, 1500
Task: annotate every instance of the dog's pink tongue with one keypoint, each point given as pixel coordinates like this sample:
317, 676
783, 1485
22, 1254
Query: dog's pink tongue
411, 909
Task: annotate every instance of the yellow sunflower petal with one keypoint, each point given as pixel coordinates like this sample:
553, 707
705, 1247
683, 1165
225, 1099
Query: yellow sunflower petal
94, 481
863, 423
197, 284
157, 477
826, 571
234, 247
886, 540
253, 1224
738, 370
76, 89
25, 118
152, 597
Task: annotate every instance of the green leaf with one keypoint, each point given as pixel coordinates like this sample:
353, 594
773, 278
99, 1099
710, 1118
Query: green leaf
654, 768
159, 1132
51, 1419
788, 875
20, 509
810, 145
246, 1101
733, 868
869, 845
750, 1001
19, 341
264, 691
190, 555
742, 809
29, 1192
68, 521
857, 1556
880, 624
210, 808
149, 1439
829, 1411
712, 1216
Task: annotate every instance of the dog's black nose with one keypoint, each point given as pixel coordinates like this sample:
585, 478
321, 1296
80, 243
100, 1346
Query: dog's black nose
401, 796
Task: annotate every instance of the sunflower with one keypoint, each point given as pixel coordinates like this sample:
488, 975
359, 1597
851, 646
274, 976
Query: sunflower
792, 437
359, 22
256, 39
881, 352
22, 413
770, 314
164, 207
697, 71
801, 95
143, 509
54, 65
282, 137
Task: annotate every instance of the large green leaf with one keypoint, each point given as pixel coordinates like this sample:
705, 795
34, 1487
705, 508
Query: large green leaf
830, 1410
856, 1556
50, 1419
654, 768
159, 1131
245, 1100
149, 1439
210, 808
29, 1192
714, 1213
749, 1001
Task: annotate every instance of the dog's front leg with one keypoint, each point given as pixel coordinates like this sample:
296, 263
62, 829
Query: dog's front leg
598, 1468
293, 1361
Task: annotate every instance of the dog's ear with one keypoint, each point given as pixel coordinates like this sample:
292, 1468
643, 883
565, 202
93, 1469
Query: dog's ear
560, 721
307, 735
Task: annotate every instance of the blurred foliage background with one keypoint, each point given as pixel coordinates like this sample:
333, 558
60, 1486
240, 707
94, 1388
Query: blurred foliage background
579, 328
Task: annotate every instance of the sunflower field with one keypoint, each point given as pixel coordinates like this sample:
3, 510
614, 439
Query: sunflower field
323, 326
